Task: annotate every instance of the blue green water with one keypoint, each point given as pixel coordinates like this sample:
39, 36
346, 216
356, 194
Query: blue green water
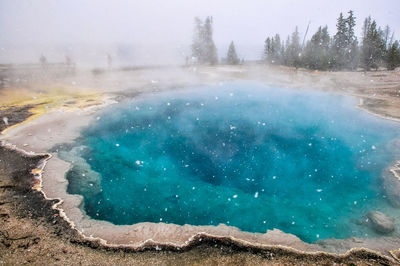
242, 154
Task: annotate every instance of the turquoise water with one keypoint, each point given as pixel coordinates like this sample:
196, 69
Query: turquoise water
254, 157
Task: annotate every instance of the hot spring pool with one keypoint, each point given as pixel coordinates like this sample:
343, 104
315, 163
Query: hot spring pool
255, 157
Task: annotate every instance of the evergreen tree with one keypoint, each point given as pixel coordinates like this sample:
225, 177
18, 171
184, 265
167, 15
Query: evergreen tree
197, 45
373, 46
282, 53
345, 45
203, 47
286, 52
317, 50
231, 57
351, 23
293, 51
273, 50
387, 38
351, 51
210, 55
339, 43
353, 55
390, 42
393, 56
276, 49
366, 26
267, 50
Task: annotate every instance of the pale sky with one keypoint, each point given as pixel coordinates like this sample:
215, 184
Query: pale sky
31, 27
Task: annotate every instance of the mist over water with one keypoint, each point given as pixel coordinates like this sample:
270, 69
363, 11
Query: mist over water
241, 154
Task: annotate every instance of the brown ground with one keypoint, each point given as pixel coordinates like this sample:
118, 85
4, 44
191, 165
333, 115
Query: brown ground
32, 232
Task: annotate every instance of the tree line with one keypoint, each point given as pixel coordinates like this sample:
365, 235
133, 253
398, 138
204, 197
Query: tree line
342, 51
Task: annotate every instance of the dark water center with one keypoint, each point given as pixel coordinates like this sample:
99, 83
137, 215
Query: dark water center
308, 163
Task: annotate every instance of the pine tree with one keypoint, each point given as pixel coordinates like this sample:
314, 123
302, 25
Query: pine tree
393, 56
353, 56
366, 26
210, 49
231, 57
386, 37
197, 45
340, 43
351, 23
293, 50
286, 52
282, 53
267, 50
351, 51
373, 46
317, 50
276, 50
273, 50
345, 46
203, 47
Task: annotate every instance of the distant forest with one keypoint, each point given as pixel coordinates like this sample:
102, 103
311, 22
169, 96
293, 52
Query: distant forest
342, 51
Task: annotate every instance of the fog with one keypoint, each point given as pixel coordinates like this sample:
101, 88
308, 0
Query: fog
160, 32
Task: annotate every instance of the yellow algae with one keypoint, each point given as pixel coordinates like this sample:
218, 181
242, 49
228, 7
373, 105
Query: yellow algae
395, 254
47, 99
36, 171
40, 94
